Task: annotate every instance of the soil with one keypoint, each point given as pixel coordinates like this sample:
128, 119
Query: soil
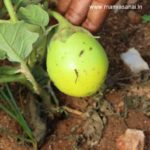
124, 104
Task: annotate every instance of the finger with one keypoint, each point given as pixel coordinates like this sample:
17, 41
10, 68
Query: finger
77, 11
1, 4
97, 14
63, 5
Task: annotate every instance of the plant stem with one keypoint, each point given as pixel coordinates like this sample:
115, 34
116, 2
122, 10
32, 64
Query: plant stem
25, 70
11, 11
74, 111
11, 78
64, 23
35, 147
4, 21
39, 90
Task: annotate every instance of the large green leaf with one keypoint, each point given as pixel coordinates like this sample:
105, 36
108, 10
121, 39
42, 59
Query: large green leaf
16, 41
2, 55
25, 2
34, 14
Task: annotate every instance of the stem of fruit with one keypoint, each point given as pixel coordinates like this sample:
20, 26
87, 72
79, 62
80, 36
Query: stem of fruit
11, 11
64, 23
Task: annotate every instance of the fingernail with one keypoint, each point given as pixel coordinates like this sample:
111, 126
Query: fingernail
89, 25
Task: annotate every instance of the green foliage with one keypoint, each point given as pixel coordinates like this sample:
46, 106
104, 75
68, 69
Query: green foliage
37, 19
2, 55
16, 41
10, 74
39, 50
146, 18
8, 70
34, 14
25, 2
2, 12
41, 75
23, 42
10, 107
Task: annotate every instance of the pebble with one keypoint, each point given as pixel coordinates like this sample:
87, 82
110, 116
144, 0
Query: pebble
134, 61
132, 140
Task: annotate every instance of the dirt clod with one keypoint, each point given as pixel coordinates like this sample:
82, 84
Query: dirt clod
134, 17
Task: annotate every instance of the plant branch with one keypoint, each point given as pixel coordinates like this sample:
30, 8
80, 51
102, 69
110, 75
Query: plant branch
11, 11
64, 23
39, 90
74, 111
4, 21
11, 78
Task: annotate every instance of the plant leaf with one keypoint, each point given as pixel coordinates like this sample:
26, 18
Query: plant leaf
34, 14
2, 12
2, 55
19, 1
41, 75
25, 2
8, 70
39, 53
12, 78
14, 112
146, 18
16, 41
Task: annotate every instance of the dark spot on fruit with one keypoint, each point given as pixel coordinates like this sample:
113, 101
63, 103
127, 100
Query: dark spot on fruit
98, 72
84, 71
56, 64
77, 75
90, 48
81, 53
83, 42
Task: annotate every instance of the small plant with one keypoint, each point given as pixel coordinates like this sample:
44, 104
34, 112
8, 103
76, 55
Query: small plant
23, 41
10, 107
146, 18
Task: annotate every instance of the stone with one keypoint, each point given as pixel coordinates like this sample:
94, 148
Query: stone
132, 140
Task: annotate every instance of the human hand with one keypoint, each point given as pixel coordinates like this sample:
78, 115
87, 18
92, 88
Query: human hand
88, 13
1, 4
